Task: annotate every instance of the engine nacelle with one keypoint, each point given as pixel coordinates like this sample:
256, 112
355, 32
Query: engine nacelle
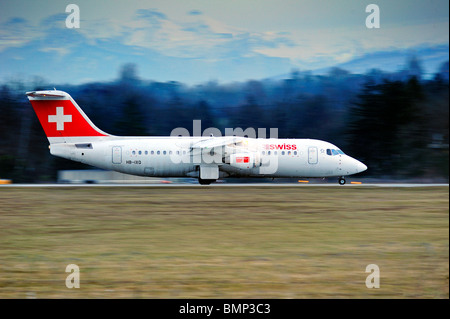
245, 160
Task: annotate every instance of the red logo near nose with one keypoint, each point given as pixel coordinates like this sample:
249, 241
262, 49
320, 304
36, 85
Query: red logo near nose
243, 159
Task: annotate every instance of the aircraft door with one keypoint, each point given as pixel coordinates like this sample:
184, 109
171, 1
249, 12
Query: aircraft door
117, 155
312, 155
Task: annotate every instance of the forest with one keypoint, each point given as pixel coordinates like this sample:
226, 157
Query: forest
396, 123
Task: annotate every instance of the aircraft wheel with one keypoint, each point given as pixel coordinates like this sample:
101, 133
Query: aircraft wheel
205, 181
341, 181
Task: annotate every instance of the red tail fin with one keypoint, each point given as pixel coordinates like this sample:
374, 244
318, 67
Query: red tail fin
61, 117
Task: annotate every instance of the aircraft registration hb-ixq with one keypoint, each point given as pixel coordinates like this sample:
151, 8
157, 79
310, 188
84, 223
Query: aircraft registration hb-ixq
73, 136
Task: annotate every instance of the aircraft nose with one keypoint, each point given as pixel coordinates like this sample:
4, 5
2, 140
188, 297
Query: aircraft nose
350, 166
361, 167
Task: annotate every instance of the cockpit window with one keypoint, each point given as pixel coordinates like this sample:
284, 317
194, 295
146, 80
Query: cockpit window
333, 152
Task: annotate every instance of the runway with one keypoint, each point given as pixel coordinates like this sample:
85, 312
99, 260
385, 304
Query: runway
214, 185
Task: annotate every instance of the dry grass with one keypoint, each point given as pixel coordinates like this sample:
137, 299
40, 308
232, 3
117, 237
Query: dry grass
224, 242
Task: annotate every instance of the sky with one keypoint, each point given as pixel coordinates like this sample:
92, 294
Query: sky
198, 41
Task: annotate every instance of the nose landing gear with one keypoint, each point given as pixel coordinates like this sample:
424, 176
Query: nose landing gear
341, 180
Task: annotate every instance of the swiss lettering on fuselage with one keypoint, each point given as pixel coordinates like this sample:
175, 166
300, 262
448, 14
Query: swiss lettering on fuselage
283, 146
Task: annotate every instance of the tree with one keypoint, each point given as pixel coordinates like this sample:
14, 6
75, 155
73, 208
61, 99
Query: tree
132, 121
128, 74
202, 111
386, 127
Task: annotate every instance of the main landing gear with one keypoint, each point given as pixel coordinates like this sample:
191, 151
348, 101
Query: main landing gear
341, 180
205, 181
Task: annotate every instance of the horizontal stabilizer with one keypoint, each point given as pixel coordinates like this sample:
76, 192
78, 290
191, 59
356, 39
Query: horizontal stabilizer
45, 94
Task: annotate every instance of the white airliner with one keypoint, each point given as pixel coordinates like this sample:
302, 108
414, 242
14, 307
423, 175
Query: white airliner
73, 136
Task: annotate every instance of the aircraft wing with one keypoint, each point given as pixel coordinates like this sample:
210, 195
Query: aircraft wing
209, 143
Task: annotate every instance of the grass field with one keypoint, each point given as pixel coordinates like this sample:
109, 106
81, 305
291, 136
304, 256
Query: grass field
169, 242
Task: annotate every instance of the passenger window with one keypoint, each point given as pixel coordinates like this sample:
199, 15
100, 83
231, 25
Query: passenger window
134, 152
153, 152
268, 153
282, 153
158, 152
263, 152
164, 152
140, 152
295, 152
275, 153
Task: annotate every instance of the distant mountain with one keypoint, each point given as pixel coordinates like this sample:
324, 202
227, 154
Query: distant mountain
429, 59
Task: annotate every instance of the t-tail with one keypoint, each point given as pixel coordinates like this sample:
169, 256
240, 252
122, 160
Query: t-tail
61, 118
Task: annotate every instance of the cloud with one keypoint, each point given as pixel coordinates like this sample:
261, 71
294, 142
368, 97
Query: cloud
159, 37
195, 12
16, 32
191, 39
152, 15
55, 21
16, 21
59, 50
199, 37
326, 47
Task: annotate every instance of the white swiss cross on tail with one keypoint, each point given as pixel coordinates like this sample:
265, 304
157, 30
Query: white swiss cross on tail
59, 118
